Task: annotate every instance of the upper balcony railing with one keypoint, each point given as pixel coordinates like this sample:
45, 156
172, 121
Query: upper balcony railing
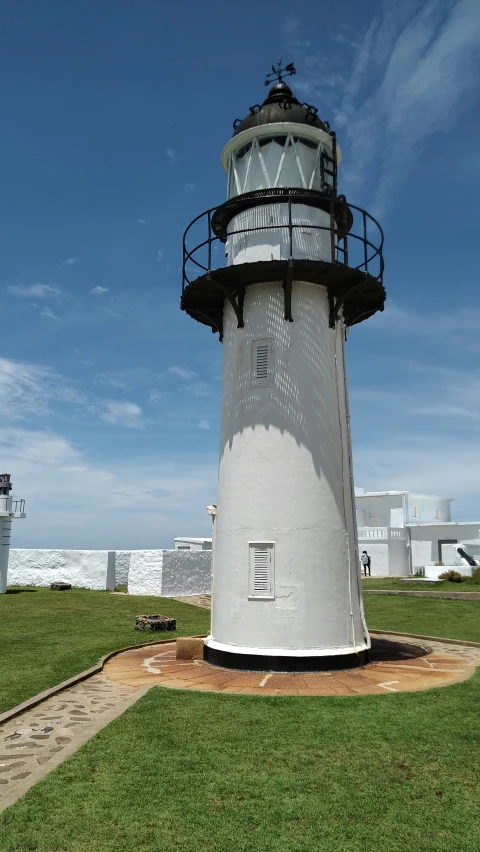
346, 235
18, 506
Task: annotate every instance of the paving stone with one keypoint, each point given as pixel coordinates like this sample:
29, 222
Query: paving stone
36, 737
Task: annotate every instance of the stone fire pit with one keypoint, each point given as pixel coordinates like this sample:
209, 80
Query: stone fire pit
155, 622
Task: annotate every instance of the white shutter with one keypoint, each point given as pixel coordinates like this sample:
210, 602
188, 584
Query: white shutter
261, 581
262, 363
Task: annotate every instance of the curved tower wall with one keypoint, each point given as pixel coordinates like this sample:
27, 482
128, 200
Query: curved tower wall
286, 576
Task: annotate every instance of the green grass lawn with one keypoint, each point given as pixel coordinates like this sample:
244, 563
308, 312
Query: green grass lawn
189, 771
426, 616
194, 772
47, 637
397, 584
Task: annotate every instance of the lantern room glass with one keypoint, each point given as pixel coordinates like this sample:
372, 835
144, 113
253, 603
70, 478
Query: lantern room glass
278, 161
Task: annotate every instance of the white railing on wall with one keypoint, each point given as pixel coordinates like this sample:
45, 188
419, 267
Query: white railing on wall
377, 533
373, 532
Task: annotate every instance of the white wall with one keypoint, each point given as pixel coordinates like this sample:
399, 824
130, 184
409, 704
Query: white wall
170, 573
425, 540
284, 478
429, 509
398, 557
87, 569
382, 511
122, 565
378, 552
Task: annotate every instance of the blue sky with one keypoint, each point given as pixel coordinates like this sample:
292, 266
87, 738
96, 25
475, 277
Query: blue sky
114, 115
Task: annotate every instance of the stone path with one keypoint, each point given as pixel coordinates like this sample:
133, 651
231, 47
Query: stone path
397, 666
204, 601
34, 743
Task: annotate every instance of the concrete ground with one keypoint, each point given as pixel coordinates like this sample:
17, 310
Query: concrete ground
397, 666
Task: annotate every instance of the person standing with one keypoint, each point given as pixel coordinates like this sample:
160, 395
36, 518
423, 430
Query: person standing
366, 562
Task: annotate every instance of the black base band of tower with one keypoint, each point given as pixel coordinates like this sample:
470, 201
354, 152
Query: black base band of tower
260, 663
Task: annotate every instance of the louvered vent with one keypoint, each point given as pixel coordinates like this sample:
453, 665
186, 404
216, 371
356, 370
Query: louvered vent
261, 570
262, 362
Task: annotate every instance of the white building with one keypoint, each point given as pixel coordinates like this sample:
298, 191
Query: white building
403, 531
192, 543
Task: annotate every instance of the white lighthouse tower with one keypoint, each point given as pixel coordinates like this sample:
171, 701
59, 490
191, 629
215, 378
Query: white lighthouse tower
302, 266
9, 509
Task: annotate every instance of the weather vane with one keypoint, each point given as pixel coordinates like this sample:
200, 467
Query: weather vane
280, 73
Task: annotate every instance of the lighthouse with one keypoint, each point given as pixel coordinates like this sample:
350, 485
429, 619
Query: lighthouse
301, 266
9, 509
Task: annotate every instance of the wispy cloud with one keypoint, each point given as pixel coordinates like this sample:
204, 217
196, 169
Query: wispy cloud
204, 424
170, 153
29, 389
97, 291
181, 372
48, 313
410, 78
199, 389
156, 395
38, 291
113, 313
190, 186
166, 494
424, 78
70, 261
159, 256
124, 413
142, 221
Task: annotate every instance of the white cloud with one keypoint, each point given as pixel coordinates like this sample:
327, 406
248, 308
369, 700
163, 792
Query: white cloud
97, 291
425, 77
88, 504
190, 186
428, 465
40, 291
124, 413
410, 78
142, 221
159, 256
70, 261
28, 389
199, 389
181, 373
204, 424
47, 312
156, 395
170, 153
112, 313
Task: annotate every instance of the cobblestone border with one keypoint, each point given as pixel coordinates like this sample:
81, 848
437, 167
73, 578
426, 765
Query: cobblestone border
65, 684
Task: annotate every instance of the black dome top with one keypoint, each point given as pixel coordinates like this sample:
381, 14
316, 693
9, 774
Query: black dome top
280, 105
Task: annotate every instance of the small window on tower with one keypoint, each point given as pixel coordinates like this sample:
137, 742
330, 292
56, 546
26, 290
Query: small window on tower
262, 363
261, 569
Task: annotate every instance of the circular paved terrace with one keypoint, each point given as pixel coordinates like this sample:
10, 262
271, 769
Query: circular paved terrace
396, 666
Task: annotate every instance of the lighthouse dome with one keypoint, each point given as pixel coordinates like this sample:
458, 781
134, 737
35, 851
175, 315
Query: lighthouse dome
281, 105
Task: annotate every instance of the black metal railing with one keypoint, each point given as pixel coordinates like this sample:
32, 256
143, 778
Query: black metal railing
18, 506
356, 238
